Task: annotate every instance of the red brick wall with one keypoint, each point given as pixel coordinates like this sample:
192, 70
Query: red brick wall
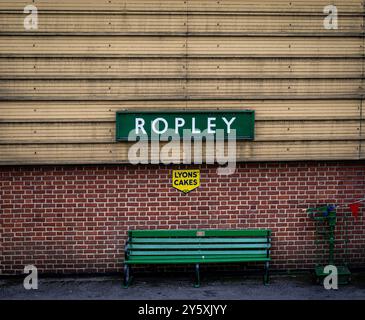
68, 219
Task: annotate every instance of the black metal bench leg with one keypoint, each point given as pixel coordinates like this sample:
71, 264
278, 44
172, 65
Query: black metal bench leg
127, 276
197, 276
266, 275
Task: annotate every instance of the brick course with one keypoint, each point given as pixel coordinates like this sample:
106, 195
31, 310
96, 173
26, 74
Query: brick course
74, 219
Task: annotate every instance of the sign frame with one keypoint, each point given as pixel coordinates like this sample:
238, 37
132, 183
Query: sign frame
187, 189
120, 136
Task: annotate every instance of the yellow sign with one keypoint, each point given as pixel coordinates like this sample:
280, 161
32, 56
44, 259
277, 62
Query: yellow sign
186, 180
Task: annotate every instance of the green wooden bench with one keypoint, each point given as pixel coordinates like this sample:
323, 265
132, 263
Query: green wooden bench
196, 247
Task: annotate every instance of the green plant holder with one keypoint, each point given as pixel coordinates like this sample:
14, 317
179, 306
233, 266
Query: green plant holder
326, 219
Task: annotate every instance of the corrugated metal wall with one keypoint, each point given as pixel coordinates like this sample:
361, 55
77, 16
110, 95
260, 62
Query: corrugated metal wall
61, 85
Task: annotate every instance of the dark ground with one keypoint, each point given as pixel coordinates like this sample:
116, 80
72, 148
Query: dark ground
164, 287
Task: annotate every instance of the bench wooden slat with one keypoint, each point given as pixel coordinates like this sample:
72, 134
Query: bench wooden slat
213, 256
206, 257
195, 252
197, 259
199, 246
200, 240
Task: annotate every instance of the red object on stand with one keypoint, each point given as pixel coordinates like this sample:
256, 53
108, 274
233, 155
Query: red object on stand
355, 209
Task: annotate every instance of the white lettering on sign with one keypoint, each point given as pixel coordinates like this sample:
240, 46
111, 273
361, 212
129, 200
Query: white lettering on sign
155, 126
160, 125
193, 129
139, 126
228, 123
211, 125
179, 123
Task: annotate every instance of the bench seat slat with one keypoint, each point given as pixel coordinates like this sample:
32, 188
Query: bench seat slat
196, 259
199, 246
194, 252
213, 256
200, 240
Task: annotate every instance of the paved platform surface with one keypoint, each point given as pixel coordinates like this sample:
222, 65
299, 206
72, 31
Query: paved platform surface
165, 287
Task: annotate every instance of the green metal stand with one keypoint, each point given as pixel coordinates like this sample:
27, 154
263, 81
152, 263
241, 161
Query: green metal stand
344, 274
326, 219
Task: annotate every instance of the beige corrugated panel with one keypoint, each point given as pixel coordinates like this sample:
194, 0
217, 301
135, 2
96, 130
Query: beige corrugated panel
60, 87
95, 23
178, 89
105, 46
274, 88
179, 24
176, 46
314, 150
57, 132
279, 46
117, 152
271, 24
313, 6
275, 68
68, 111
64, 153
144, 68
105, 131
308, 130
99, 68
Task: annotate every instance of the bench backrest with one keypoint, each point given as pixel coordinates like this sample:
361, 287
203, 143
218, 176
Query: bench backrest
186, 244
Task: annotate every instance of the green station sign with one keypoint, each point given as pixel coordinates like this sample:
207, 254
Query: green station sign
151, 125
